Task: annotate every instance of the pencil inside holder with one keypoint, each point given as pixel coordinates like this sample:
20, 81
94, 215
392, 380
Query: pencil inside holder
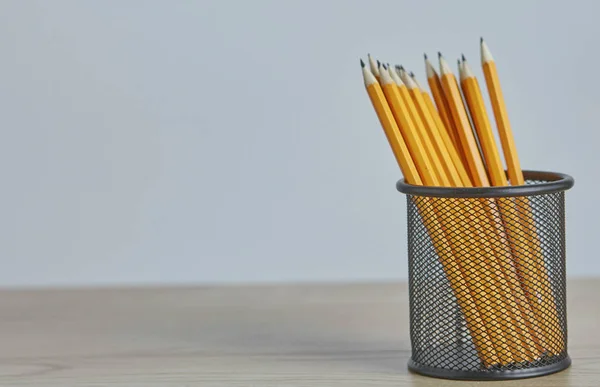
487, 279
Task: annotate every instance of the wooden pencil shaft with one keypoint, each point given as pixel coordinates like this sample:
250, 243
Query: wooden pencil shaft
435, 137
467, 139
476, 106
529, 262
450, 146
425, 140
391, 130
499, 108
456, 272
535, 281
435, 86
474, 99
526, 346
523, 248
409, 133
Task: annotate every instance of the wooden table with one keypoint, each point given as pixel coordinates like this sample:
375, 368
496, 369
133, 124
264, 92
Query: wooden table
287, 335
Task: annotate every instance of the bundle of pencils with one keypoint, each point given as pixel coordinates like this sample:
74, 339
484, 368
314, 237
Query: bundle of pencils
505, 298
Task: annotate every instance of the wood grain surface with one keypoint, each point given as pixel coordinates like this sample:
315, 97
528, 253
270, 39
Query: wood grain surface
264, 336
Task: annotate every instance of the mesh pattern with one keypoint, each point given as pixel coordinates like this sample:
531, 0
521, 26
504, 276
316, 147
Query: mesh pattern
487, 282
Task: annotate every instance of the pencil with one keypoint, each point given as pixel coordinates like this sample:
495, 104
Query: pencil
493, 230
499, 108
399, 149
407, 129
472, 93
463, 126
534, 277
432, 131
420, 129
443, 108
514, 230
445, 135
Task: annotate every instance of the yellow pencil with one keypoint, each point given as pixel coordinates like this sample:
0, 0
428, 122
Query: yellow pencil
435, 85
534, 277
504, 130
409, 170
445, 135
493, 230
421, 131
407, 129
432, 131
514, 230
451, 147
463, 126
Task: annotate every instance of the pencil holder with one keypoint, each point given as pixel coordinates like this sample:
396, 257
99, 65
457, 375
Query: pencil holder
487, 279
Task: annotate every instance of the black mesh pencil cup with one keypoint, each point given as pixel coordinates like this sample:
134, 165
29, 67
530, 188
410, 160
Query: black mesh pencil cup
487, 281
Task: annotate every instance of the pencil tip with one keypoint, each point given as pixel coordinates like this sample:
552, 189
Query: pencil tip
378, 64
368, 55
401, 67
412, 75
463, 57
362, 64
458, 61
481, 39
425, 56
384, 66
439, 54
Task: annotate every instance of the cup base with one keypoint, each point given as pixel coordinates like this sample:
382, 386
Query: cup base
489, 374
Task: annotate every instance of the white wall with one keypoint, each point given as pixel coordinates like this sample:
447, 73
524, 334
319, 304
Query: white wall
209, 141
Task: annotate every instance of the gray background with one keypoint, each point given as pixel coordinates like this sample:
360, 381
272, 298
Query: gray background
226, 141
